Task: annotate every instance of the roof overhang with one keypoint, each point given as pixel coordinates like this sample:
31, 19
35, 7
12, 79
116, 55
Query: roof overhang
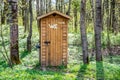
53, 12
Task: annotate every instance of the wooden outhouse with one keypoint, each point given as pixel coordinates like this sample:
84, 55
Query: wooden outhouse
53, 38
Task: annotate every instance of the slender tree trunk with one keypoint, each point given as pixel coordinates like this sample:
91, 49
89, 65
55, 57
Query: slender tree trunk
64, 9
26, 17
3, 18
49, 6
83, 32
113, 15
38, 10
30, 29
23, 12
5, 56
92, 6
41, 7
98, 28
69, 8
14, 49
119, 16
37, 7
108, 30
61, 5
57, 4
75, 19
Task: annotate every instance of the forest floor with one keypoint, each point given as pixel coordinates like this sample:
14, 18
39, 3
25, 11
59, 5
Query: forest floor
29, 69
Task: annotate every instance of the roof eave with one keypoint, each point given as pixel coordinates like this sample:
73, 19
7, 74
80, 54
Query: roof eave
61, 14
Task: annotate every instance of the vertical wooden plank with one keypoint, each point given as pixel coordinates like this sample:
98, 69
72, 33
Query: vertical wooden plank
57, 41
52, 43
64, 37
60, 42
41, 43
43, 33
49, 41
67, 42
60, 56
57, 36
46, 40
64, 42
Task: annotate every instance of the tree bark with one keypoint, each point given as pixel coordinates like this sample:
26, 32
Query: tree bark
75, 18
37, 7
14, 49
98, 28
83, 32
49, 6
30, 29
113, 25
92, 6
69, 8
3, 18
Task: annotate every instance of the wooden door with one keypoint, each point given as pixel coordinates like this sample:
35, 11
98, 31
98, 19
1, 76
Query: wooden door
53, 41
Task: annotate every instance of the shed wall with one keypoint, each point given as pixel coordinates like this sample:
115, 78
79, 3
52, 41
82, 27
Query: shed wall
55, 52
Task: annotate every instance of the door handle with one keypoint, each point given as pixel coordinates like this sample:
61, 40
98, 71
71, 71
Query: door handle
47, 42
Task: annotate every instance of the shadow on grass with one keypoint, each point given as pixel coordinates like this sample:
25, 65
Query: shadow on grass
50, 68
81, 73
111, 59
37, 71
24, 54
99, 71
3, 64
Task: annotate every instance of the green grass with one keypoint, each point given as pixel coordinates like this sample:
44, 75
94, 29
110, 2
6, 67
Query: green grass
30, 70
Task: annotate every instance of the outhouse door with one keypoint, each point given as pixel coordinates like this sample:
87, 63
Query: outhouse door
55, 37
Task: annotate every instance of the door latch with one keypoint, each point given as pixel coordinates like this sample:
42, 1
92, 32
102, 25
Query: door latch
47, 42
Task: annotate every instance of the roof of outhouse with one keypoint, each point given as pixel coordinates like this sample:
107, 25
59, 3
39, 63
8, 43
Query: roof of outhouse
53, 12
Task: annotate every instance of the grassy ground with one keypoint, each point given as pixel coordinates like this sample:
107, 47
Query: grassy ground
30, 70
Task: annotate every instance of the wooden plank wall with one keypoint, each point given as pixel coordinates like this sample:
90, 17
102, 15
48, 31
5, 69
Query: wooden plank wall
55, 53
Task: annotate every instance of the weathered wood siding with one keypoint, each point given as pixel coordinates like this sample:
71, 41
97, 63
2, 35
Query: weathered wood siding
55, 53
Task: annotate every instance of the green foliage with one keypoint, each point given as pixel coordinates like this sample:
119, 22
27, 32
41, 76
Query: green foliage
73, 71
29, 69
114, 39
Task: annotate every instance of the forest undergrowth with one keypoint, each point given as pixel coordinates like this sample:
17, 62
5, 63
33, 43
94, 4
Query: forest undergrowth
29, 69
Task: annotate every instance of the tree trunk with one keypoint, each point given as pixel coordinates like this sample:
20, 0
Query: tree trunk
37, 7
30, 29
14, 49
113, 15
98, 28
56, 4
49, 6
3, 18
69, 8
75, 18
23, 12
83, 32
41, 7
38, 10
92, 6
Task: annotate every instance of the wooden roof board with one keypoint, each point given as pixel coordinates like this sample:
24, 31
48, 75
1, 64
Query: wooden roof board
53, 12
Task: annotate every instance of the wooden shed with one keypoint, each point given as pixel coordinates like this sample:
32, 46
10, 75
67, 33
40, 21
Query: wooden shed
53, 38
